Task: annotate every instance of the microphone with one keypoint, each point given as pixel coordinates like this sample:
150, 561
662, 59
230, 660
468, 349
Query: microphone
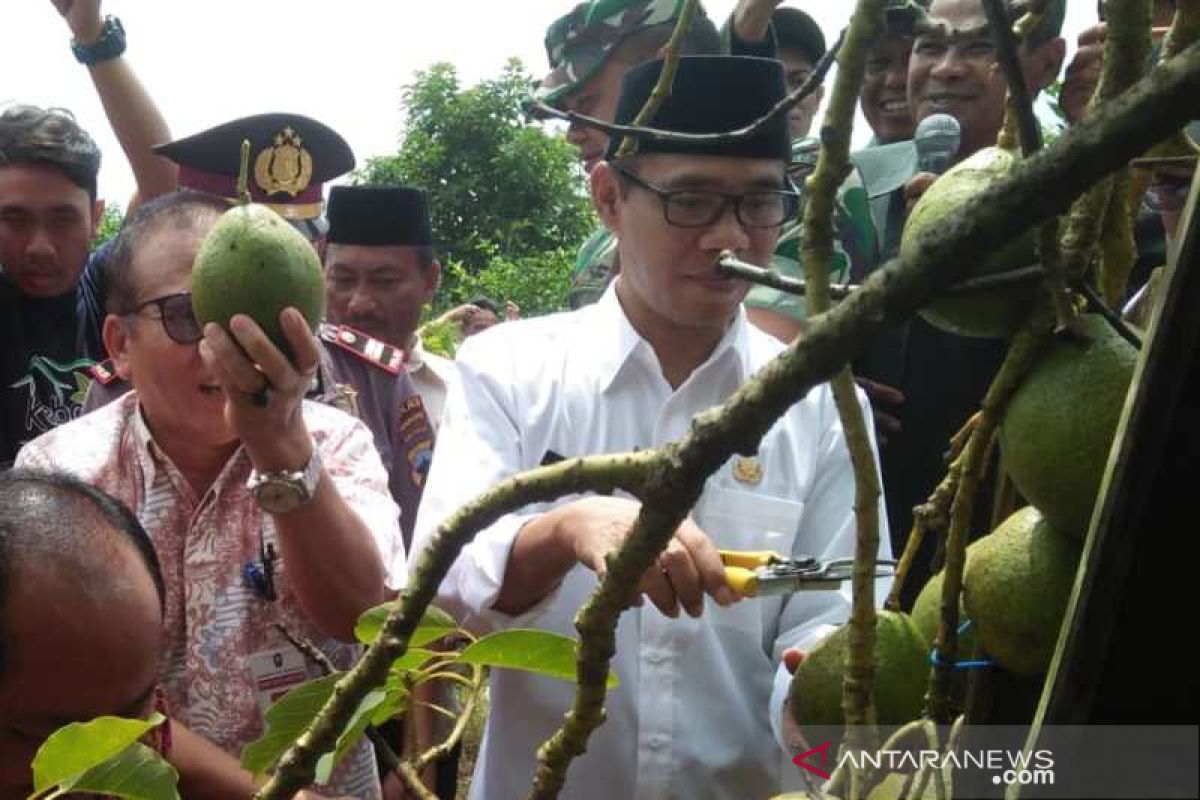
937, 141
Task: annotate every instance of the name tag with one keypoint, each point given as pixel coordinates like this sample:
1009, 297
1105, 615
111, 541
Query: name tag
275, 673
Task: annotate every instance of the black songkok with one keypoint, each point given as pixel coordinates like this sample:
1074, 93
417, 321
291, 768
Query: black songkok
379, 216
711, 94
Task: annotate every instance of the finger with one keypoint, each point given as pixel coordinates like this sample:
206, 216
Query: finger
262, 351
707, 561
232, 369
881, 391
657, 588
792, 658
676, 563
887, 422
306, 353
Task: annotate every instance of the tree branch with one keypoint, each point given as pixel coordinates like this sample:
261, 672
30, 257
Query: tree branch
1020, 104
666, 78
1096, 303
1026, 346
810, 85
733, 267
1038, 188
833, 165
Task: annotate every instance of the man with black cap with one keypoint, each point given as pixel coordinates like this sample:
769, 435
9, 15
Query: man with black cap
291, 156
699, 709
380, 272
799, 44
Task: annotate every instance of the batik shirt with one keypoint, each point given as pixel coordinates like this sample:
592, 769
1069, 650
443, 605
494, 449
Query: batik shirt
215, 617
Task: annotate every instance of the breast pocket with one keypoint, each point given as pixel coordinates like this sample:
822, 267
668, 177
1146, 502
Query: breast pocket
737, 520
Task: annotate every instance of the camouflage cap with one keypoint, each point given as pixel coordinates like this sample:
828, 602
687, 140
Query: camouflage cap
579, 43
905, 17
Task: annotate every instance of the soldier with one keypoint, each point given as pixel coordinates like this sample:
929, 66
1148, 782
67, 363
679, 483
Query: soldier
799, 44
885, 85
290, 158
923, 382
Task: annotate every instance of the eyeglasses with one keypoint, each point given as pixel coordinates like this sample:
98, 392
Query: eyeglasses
175, 314
1168, 192
699, 208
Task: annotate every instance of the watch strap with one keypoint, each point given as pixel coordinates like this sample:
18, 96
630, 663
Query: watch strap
108, 45
305, 480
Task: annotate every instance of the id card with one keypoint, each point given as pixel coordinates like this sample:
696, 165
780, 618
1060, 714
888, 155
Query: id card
275, 672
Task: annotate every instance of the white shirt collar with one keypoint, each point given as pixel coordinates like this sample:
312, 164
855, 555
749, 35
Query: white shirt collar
615, 343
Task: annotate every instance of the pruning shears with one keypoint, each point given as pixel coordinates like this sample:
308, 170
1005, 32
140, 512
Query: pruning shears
755, 574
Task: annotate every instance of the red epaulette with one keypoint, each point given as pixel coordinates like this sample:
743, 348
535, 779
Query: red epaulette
373, 351
103, 372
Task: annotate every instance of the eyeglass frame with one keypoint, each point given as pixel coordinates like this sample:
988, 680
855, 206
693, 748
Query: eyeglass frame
1179, 187
161, 302
664, 195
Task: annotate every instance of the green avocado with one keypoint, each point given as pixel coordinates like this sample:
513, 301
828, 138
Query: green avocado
991, 314
253, 262
1015, 588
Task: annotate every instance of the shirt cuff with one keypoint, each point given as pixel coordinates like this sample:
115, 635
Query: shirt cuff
783, 685
478, 576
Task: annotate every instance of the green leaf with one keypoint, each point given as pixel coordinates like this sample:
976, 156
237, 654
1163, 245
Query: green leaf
396, 687
540, 652
286, 720
433, 626
137, 773
351, 735
73, 750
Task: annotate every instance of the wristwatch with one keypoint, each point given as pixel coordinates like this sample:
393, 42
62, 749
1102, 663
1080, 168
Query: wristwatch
108, 45
282, 491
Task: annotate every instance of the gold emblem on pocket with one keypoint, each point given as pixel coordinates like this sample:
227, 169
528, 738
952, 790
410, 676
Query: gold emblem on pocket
748, 470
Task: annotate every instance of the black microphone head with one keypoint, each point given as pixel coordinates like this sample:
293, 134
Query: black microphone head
937, 140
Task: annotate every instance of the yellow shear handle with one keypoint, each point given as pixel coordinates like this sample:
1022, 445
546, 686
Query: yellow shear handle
748, 559
743, 581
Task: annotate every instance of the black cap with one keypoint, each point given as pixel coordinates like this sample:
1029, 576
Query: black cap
907, 17
711, 94
379, 216
291, 157
796, 30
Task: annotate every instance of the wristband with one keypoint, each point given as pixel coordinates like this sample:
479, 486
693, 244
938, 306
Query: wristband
109, 45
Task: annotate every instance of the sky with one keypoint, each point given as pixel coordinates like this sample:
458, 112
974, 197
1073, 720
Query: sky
342, 62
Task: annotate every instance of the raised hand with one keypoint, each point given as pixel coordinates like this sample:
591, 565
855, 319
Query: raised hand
83, 18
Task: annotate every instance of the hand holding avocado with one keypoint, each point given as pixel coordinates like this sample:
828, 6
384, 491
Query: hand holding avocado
263, 388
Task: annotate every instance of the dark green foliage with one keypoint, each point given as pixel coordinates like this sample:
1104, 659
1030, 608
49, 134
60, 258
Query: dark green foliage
110, 223
504, 192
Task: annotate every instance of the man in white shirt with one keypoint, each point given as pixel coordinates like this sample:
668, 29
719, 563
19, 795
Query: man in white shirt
699, 709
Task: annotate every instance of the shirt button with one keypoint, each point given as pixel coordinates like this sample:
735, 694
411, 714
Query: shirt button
657, 741
657, 657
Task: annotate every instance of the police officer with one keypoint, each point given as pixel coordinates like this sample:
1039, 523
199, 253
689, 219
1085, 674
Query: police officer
291, 156
380, 273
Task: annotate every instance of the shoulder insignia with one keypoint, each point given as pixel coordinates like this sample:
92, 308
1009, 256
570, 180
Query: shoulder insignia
103, 372
373, 351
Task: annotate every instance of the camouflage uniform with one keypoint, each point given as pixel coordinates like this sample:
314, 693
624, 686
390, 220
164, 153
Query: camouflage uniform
578, 45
